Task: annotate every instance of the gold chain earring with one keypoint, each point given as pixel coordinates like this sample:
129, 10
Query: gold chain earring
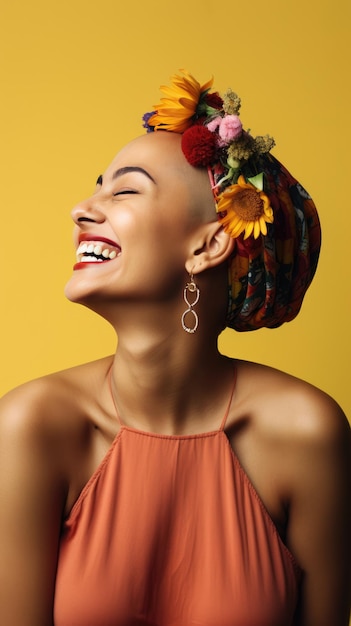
191, 291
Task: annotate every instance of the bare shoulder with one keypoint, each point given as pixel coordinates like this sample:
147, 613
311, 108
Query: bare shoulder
47, 422
289, 435
44, 443
291, 407
298, 448
53, 402
26, 418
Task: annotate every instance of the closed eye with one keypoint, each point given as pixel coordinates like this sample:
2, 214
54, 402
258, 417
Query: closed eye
124, 192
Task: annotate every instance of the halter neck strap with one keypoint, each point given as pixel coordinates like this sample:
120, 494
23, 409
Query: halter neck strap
109, 378
225, 417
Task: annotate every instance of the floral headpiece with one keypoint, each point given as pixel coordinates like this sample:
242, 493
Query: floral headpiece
270, 215
213, 137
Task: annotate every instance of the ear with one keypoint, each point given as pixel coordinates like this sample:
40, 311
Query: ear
211, 246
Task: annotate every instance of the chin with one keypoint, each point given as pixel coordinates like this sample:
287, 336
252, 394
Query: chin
93, 296
79, 291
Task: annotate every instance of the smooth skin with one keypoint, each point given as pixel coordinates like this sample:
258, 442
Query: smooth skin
292, 439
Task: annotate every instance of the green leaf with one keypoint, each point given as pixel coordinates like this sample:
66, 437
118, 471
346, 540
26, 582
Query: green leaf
257, 181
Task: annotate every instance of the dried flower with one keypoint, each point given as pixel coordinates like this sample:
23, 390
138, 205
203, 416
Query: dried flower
231, 102
242, 148
264, 144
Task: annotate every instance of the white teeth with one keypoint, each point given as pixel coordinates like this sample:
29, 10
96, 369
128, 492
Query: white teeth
89, 259
85, 249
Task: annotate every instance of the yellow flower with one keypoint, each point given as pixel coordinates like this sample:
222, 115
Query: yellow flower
247, 209
177, 110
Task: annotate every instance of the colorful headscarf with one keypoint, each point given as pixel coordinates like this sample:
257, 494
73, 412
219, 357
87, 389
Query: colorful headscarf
271, 217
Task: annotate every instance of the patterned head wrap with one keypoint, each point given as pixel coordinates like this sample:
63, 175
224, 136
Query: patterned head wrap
261, 205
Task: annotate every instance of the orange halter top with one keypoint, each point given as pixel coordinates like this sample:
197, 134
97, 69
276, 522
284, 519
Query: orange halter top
169, 531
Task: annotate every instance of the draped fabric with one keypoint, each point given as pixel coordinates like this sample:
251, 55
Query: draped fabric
269, 276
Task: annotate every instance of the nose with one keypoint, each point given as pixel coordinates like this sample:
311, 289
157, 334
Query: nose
87, 211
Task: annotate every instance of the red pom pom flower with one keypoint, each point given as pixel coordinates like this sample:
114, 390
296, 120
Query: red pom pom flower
199, 146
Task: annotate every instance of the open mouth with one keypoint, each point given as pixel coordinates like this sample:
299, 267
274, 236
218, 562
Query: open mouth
96, 252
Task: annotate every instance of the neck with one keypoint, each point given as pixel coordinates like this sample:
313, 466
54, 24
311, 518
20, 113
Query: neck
164, 381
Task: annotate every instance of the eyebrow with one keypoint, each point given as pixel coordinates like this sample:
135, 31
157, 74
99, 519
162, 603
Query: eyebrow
126, 170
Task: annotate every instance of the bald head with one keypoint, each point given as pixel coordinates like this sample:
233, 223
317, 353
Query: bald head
160, 154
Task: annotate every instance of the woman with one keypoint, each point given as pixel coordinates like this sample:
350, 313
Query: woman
168, 484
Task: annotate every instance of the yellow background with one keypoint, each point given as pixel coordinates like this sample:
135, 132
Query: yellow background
76, 76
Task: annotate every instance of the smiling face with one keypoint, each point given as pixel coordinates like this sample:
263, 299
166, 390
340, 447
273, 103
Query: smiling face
134, 234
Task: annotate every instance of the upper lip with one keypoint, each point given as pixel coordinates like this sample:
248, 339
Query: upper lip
92, 237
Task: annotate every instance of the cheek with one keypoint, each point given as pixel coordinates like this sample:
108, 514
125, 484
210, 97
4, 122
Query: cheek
158, 258
123, 221
154, 240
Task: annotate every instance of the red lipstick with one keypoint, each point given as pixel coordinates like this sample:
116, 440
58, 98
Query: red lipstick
92, 237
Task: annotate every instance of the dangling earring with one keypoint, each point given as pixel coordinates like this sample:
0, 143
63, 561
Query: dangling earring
192, 290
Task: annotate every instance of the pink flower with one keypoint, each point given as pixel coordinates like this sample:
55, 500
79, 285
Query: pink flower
230, 128
213, 124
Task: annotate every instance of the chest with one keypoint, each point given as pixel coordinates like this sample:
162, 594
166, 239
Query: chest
169, 531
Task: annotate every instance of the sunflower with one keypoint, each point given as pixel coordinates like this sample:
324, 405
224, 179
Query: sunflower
246, 208
177, 111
